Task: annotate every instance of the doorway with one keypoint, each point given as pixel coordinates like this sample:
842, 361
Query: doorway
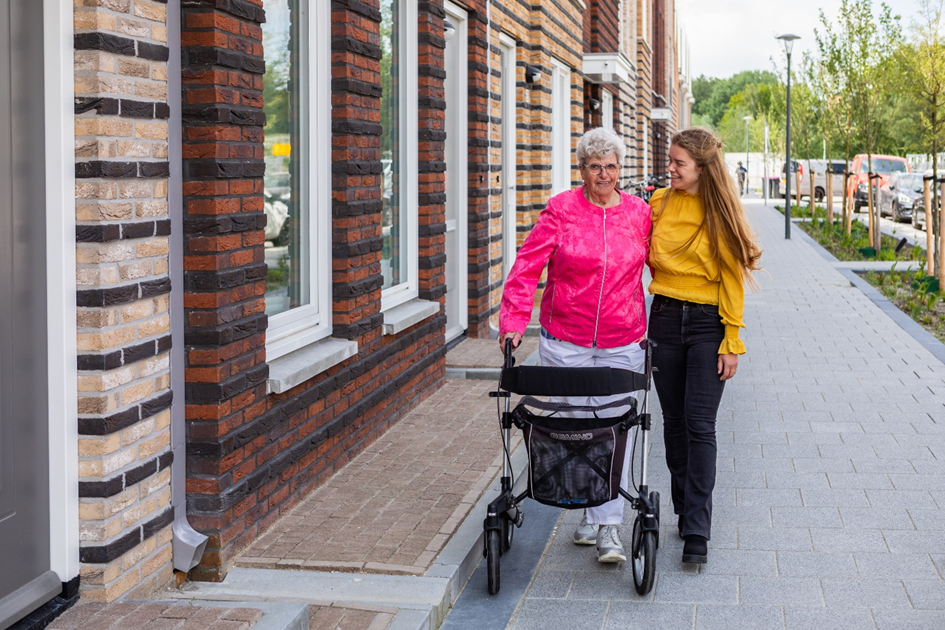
509, 154
24, 393
456, 124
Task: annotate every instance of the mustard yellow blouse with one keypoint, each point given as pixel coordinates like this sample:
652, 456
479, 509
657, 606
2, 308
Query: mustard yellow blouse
691, 274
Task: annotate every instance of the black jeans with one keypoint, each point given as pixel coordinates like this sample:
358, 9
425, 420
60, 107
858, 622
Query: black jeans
686, 356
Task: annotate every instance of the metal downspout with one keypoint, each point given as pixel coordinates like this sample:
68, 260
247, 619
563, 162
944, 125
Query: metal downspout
188, 544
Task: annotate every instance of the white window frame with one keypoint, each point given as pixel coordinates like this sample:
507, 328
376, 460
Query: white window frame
306, 324
59, 82
408, 289
509, 153
607, 109
560, 127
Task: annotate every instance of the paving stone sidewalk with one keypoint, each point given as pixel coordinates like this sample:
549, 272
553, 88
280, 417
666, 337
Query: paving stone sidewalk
829, 509
395, 506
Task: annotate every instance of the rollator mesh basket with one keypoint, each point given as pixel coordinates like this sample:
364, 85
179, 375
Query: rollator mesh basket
573, 462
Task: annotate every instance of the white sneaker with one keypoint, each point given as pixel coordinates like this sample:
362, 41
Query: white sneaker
586, 534
609, 548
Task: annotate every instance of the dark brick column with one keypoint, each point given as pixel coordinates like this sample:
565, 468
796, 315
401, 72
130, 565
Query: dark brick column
481, 178
224, 268
356, 170
432, 153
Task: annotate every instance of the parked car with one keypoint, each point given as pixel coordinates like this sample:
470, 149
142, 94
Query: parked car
819, 168
795, 166
918, 210
899, 194
883, 165
277, 220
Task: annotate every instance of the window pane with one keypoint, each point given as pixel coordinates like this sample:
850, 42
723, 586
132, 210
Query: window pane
393, 220
286, 154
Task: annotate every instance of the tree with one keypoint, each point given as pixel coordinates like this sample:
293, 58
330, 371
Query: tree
716, 93
859, 52
923, 62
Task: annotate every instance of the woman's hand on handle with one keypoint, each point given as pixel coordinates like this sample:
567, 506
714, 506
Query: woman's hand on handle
728, 365
514, 336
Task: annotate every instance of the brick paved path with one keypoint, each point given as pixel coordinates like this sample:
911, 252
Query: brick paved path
829, 510
482, 353
395, 506
156, 616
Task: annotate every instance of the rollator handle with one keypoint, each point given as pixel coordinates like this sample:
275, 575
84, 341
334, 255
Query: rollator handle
509, 359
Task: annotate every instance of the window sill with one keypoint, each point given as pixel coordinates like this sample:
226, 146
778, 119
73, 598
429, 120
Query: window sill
406, 315
299, 366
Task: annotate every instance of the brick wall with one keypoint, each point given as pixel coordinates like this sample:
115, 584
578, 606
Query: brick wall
542, 31
644, 54
252, 456
123, 325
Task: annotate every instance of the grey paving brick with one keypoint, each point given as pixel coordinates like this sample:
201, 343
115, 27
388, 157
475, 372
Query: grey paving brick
859, 481
800, 618
780, 591
877, 465
538, 614
914, 566
816, 564
866, 593
764, 464
876, 518
551, 585
805, 517
832, 497
820, 464
901, 498
909, 619
710, 617
926, 519
901, 541
797, 480
769, 497
742, 515
788, 450
772, 539
623, 615
696, 588
834, 540
741, 563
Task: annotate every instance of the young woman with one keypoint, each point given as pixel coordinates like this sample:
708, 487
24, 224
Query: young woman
702, 253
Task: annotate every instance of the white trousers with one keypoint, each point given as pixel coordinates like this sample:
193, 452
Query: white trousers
556, 353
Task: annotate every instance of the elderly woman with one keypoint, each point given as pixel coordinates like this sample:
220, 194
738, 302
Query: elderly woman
594, 241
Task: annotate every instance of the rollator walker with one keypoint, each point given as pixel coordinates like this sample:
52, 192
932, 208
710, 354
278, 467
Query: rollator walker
575, 462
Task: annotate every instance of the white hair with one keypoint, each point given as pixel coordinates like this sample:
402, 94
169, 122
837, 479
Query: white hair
598, 143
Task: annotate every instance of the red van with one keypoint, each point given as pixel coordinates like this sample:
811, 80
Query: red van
883, 165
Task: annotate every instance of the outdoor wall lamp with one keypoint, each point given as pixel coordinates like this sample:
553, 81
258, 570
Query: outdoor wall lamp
532, 74
594, 104
448, 30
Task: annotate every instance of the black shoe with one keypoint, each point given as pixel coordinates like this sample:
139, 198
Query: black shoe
696, 549
679, 525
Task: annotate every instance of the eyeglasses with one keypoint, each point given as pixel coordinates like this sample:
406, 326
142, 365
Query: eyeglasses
596, 168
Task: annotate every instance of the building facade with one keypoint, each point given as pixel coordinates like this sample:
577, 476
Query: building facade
263, 222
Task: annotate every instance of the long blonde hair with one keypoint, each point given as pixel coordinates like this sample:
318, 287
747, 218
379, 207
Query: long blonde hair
724, 216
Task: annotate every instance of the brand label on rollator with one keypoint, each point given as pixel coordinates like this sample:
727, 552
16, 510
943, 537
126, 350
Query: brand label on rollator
572, 437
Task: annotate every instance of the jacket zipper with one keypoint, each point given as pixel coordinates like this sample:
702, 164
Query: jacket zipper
603, 276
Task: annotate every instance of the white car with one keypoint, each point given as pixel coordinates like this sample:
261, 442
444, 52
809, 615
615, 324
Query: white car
277, 221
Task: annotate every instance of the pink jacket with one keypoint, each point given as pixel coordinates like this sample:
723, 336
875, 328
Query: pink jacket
594, 292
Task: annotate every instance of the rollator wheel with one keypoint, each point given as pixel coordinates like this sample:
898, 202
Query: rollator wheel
643, 558
492, 560
508, 532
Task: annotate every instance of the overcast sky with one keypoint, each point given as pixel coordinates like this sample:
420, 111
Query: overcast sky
728, 36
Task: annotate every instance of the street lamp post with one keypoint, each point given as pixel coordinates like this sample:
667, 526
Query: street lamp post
788, 41
747, 119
